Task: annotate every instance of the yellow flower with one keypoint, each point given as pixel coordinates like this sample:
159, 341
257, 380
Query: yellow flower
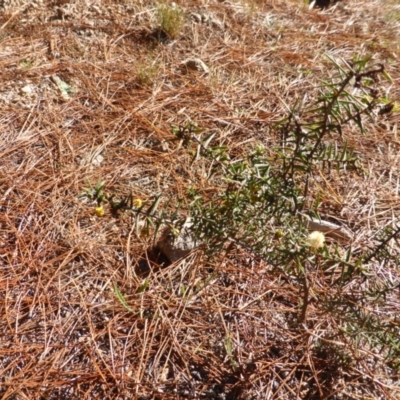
316, 240
137, 203
99, 211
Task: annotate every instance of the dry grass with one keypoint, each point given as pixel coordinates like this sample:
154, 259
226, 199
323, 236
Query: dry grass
220, 330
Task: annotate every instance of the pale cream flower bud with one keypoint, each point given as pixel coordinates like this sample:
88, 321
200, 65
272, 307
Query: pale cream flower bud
316, 240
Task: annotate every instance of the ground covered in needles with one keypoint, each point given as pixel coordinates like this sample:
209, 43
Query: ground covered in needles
115, 116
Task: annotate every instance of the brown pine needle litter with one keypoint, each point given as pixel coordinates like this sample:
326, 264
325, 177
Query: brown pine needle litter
89, 308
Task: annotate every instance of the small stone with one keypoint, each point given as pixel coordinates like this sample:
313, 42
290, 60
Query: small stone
27, 90
216, 23
196, 17
196, 64
176, 244
95, 159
